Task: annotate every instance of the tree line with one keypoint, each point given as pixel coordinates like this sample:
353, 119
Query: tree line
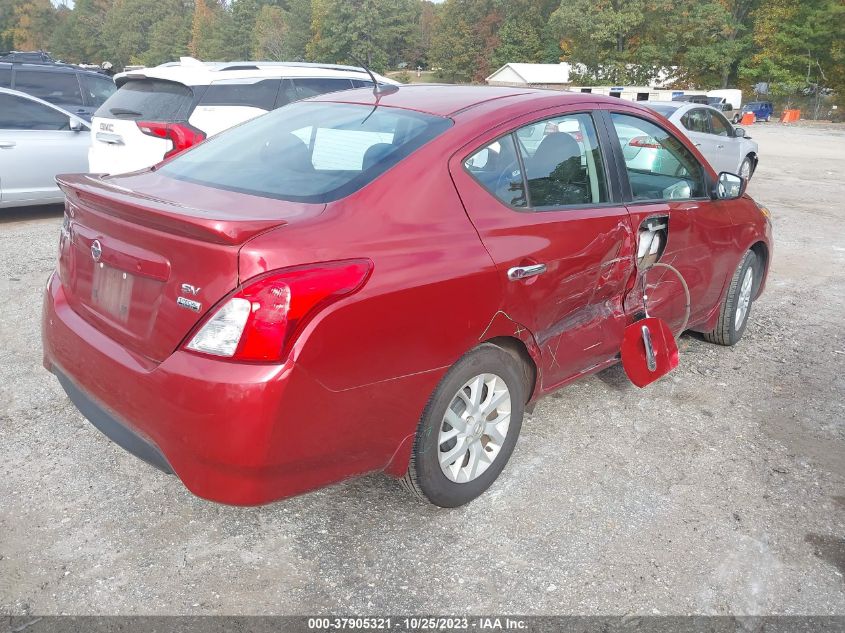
794, 45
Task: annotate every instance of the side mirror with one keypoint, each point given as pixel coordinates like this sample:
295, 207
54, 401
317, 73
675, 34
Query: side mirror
729, 187
76, 125
739, 132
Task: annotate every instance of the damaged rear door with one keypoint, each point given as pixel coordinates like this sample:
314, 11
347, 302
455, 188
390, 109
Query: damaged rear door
553, 221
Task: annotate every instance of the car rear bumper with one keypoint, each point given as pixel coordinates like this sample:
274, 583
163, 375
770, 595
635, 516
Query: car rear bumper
242, 434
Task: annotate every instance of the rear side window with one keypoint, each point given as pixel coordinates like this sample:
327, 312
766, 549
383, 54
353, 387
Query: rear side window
252, 93
149, 100
5, 77
17, 113
307, 152
55, 87
97, 89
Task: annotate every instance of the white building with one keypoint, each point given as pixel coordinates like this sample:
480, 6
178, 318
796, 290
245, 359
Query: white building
534, 75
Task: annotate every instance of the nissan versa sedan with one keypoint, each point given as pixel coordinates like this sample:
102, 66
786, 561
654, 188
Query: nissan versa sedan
382, 282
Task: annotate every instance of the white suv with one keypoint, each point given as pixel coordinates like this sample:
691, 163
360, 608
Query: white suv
157, 112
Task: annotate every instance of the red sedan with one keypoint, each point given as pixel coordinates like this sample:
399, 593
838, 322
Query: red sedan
384, 282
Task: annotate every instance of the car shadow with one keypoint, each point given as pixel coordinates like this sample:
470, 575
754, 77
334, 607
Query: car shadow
828, 548
25, 214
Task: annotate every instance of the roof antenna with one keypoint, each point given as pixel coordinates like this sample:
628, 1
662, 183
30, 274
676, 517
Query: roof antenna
378, 89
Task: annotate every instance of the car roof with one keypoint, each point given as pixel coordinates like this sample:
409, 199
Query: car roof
49, 67
191, 72
449, 100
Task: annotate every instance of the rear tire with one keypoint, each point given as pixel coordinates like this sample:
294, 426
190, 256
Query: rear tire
483, 396
736, 306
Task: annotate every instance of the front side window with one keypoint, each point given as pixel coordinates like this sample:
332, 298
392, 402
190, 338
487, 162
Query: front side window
307, 152
55, 87
658, 165
5, 77
561, 160
17, 113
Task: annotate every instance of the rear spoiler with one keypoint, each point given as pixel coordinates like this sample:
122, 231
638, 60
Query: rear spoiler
94, 192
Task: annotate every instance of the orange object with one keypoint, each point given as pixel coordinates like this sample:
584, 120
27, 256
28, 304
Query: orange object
748, 118
790, 116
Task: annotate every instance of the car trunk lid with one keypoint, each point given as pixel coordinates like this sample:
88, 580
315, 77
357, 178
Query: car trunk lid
145, 257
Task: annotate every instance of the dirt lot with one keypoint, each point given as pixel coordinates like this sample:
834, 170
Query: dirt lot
721, 489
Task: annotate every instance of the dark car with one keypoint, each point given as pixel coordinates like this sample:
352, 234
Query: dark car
76, 90
763, 110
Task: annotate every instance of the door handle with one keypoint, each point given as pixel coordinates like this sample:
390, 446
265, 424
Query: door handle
698, 144
523, 272
720, 147
7, 144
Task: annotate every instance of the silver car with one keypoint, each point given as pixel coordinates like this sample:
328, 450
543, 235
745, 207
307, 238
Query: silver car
726, 148
38, 140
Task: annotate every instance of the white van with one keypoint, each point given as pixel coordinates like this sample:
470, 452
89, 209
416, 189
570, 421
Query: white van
158, 112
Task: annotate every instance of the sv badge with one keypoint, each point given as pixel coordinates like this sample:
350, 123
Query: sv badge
188, 289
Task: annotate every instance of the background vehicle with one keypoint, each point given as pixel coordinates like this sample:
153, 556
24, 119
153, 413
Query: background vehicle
160, 111
340, 287
702, 98
726, 108
763, 110
726, 148
76, 90
732, 96
37, 141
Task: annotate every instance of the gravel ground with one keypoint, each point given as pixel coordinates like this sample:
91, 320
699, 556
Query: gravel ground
718, 490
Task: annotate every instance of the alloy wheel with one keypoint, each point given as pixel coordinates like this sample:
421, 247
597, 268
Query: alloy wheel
744, 299
474, 428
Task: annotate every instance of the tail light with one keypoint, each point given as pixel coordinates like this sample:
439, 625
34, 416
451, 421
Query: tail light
261, 320
644, 141
182, 135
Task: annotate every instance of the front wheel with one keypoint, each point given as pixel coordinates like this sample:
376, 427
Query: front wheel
746, 168
468, 429
736, 306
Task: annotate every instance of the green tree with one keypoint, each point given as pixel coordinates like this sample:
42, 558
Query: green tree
32, 26
79, 36
372, 32
244, 16
212, 32
131, 24
519, 41
799, 45
464, 40
271, 34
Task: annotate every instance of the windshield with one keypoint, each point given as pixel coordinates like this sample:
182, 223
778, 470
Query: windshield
307, 152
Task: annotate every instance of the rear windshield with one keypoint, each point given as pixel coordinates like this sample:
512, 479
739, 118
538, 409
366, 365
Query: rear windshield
307, 152
665, 110
148, 100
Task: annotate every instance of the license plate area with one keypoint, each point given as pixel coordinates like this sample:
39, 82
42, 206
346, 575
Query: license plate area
111, 291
